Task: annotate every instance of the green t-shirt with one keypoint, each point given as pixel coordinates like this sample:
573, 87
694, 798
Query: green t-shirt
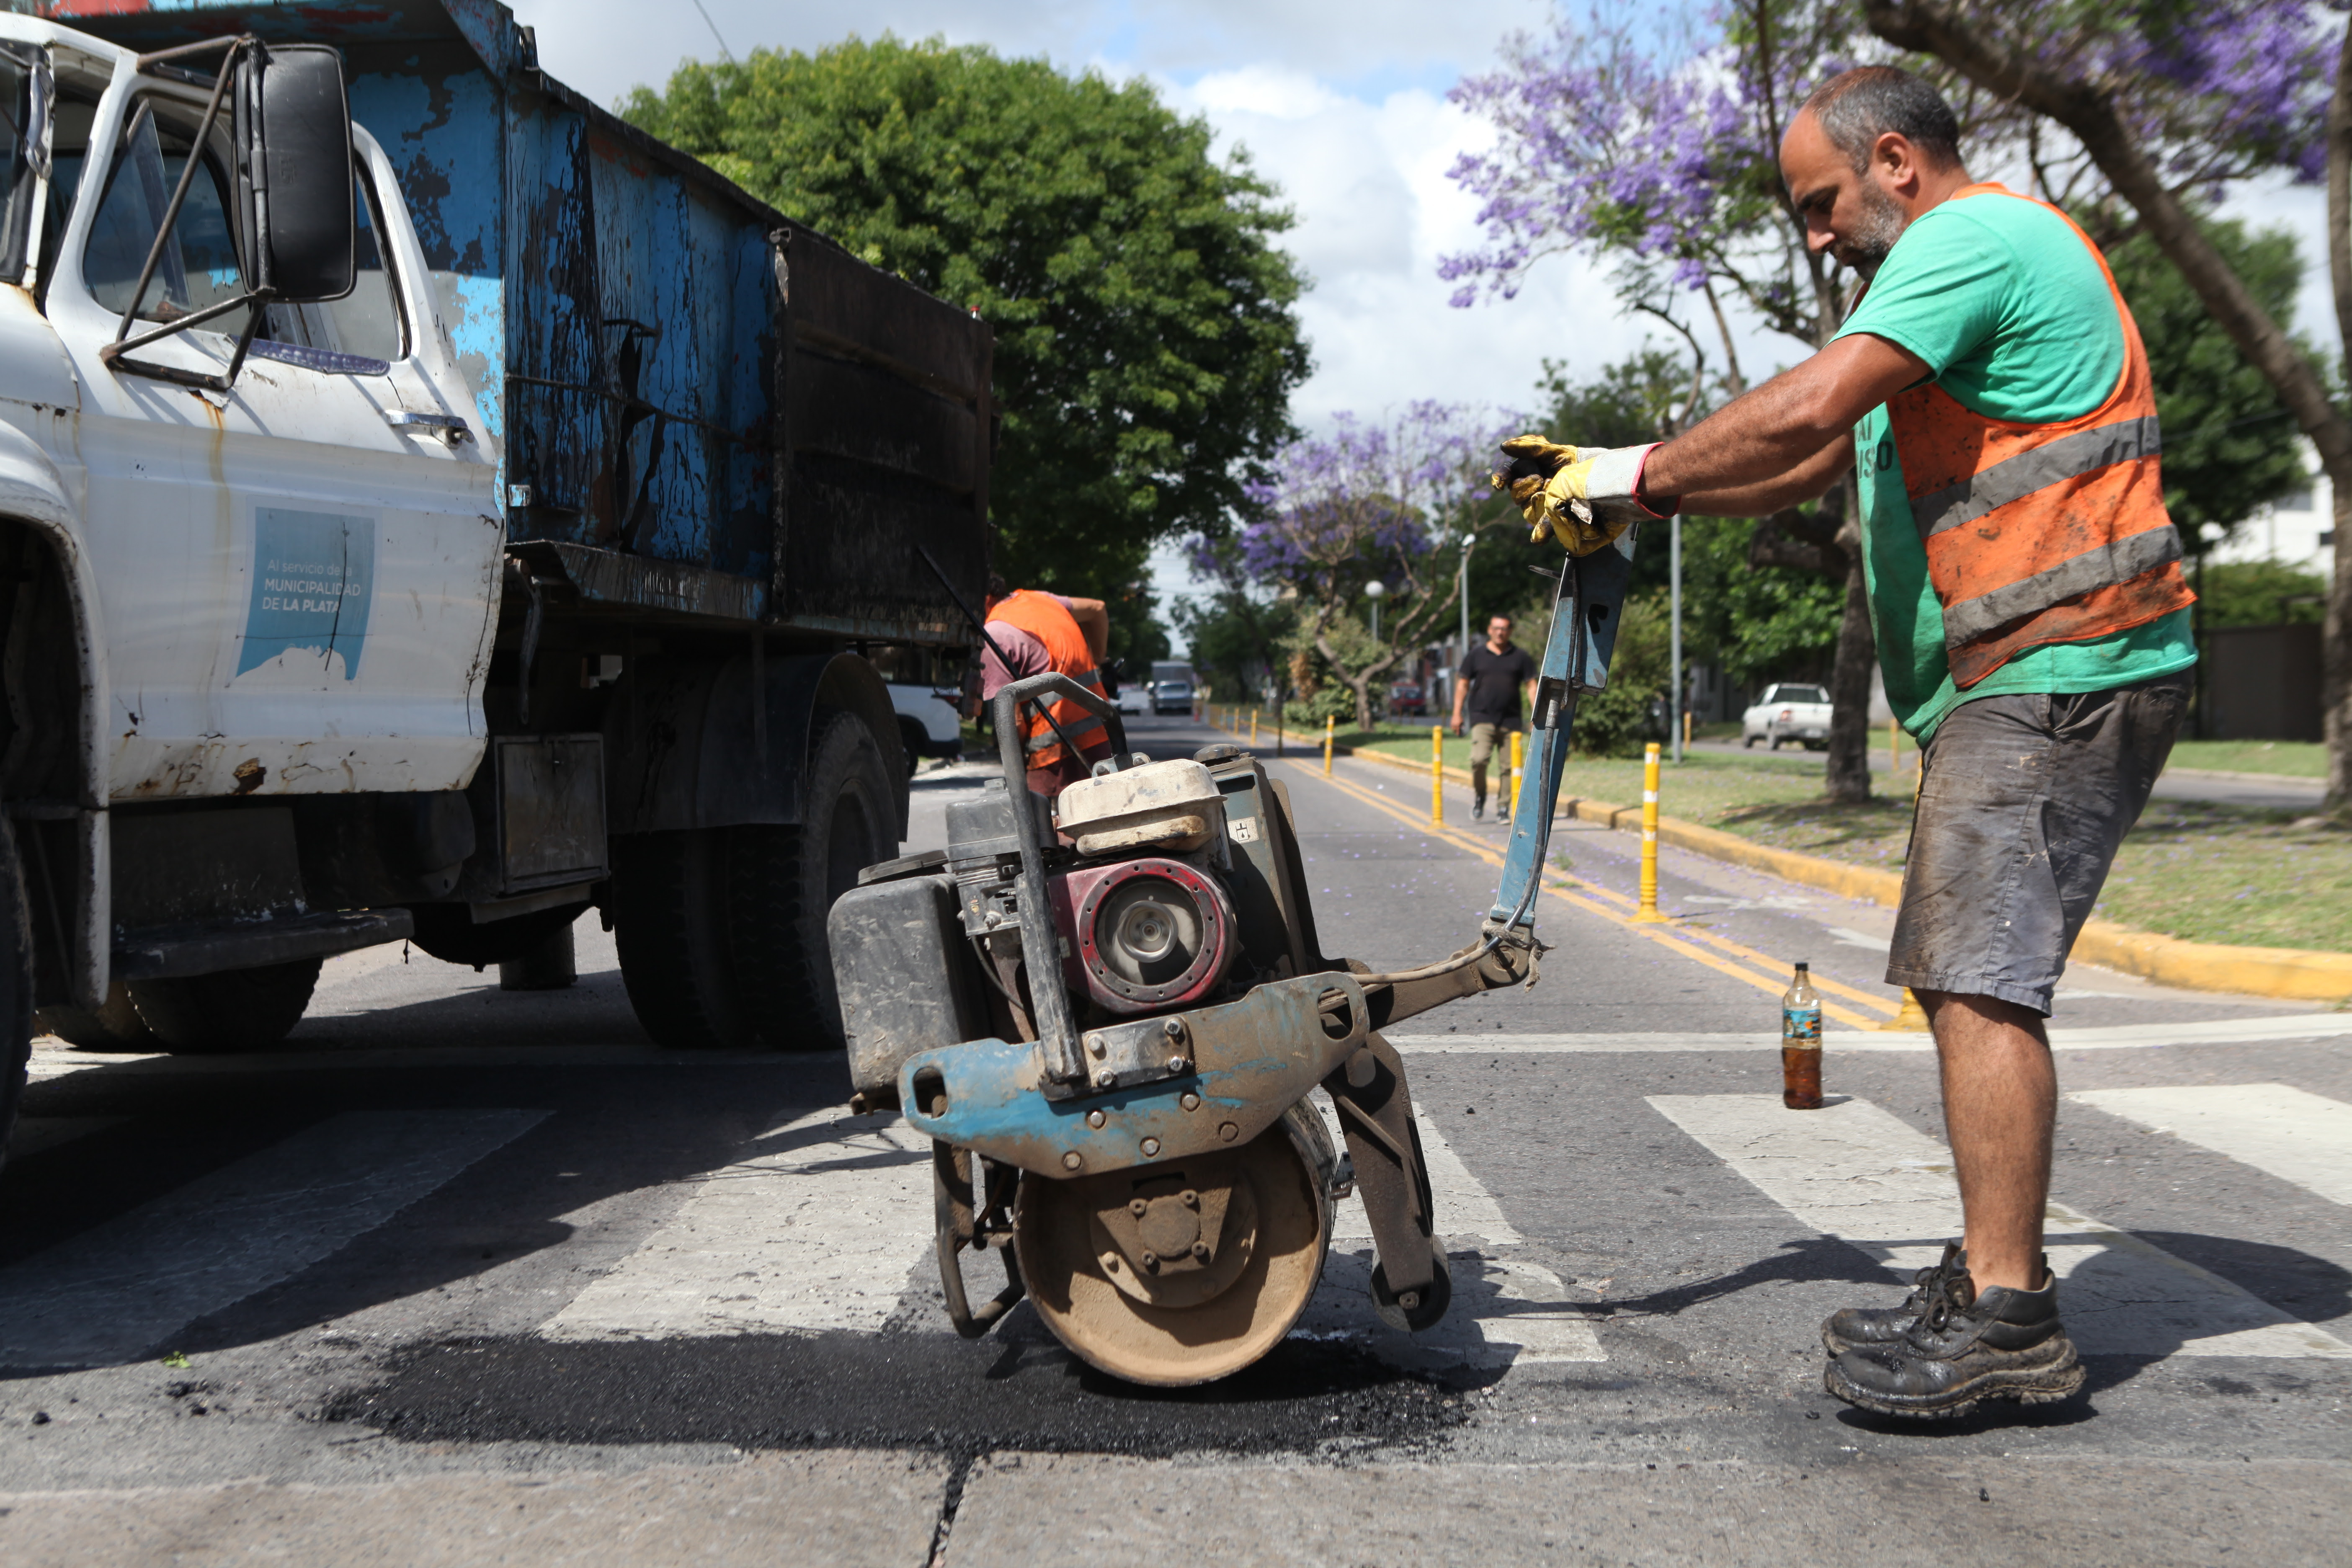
2011, 312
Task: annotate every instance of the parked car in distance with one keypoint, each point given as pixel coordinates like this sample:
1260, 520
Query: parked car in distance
1135, 697
1789, 712
928, 725
1407, 700
1172, 697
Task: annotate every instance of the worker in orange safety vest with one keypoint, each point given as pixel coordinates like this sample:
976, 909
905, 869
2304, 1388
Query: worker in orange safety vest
1039, 632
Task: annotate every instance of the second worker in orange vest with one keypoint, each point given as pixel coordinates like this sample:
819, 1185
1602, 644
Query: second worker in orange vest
1989, 392
1039, 632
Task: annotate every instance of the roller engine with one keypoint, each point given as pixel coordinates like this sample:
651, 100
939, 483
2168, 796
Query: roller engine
1108, 1011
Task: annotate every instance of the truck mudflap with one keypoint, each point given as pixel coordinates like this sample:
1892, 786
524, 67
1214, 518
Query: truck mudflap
1185, 1084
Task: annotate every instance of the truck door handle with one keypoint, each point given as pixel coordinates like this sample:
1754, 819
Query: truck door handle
450, 427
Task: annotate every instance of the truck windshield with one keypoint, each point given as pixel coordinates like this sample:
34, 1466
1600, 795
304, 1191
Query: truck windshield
22, 90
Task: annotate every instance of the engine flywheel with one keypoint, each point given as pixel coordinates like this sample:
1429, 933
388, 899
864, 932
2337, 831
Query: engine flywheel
1187, 1270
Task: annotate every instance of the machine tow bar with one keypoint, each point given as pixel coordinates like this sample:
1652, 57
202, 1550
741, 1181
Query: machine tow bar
1128, 1122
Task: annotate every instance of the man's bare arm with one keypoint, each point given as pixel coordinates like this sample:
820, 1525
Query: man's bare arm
1761, 438
1094, 619
1809, 480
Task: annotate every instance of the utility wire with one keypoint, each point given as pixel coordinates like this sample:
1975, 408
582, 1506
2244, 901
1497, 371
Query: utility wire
714, 32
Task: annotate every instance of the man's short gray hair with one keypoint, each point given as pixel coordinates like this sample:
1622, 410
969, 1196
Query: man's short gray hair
1857, 107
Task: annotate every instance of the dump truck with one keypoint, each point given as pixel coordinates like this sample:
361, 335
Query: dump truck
430, 508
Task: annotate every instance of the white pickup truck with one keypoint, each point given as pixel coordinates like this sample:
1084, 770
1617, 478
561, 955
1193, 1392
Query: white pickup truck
1789, 712
431, 508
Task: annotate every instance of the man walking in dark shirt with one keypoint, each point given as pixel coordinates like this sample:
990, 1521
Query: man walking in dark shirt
1489, 684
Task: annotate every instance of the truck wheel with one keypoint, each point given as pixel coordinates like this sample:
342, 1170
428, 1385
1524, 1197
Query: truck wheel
116, 1026
669, 922
235, 1010
550, 966
783, 880
15, 987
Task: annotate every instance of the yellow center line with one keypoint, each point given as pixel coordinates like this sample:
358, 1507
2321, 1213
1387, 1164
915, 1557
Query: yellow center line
1673, 937
1820, 982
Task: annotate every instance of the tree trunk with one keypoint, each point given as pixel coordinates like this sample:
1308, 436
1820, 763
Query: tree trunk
1848, 774
1946, 32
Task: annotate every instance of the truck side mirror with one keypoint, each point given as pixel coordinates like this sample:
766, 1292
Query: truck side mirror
292, 129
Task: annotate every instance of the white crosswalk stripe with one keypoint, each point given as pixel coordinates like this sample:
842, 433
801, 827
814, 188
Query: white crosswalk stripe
1854, 1170
822, 1230
2293, 1134
119, 1289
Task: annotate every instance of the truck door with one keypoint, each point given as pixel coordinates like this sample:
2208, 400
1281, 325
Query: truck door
298, 574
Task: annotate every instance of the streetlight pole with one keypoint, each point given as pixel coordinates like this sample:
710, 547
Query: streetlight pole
1373, 590
1462, 648
1675, 633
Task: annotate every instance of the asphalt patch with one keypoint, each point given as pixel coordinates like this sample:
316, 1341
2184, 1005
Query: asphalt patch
898, 1391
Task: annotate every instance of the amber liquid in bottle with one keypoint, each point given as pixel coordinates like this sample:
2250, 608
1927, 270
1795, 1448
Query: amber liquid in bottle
1800, 1043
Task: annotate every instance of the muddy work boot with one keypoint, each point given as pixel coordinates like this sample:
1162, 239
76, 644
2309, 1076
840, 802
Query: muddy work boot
1964, 1347
1851, 1326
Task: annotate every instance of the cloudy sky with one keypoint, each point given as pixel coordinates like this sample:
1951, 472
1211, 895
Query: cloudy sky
1341, 104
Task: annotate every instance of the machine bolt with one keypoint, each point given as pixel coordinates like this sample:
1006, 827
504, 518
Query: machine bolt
992, 919
1151, 1147
1137, 1207
1227, 1132
1191, 1102
1111, 1262
1409, 1300
1201, 1251
1175, 1027
1096, 1118
1178, 1064
1095, 1044
1150, 1260
1071, 1161
1189, 1198
1105, 1078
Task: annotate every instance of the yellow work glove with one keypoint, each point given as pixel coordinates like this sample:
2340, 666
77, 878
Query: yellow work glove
1582, 496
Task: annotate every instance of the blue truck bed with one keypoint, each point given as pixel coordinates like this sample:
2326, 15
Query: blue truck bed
705, 410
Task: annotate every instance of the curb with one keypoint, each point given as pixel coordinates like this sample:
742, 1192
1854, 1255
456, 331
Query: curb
2288, 973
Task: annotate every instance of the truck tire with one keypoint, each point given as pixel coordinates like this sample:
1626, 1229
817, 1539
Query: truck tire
15, 987
910, 739
448, 931
783, 880
669, 922
235, 1010
551, 966
115, 1027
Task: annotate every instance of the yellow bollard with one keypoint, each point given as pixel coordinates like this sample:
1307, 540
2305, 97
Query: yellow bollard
1252, 726
1513, 786
1648, 912
1913, 1017
1331, 734
1437, 775
1687, 729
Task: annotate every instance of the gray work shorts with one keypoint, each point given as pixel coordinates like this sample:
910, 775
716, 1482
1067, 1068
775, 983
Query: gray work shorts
2022, 806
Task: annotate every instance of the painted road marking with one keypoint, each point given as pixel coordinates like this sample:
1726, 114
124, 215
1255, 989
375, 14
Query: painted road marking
2290, 1133
2108, 1037
1692, 942
1855, 1172
1507, 1311
818, 1228
116, 1290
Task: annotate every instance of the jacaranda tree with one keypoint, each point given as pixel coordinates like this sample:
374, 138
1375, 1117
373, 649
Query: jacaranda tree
1385, 498
1658, 150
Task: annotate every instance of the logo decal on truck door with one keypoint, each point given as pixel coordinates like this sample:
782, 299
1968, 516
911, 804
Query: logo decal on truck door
313, 584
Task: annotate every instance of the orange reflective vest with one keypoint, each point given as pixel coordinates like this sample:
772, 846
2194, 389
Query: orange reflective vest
1042, 616
2044, 532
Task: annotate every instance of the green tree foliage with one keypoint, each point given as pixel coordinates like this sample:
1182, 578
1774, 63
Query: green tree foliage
2229, 443
1146, 337
2260, 593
